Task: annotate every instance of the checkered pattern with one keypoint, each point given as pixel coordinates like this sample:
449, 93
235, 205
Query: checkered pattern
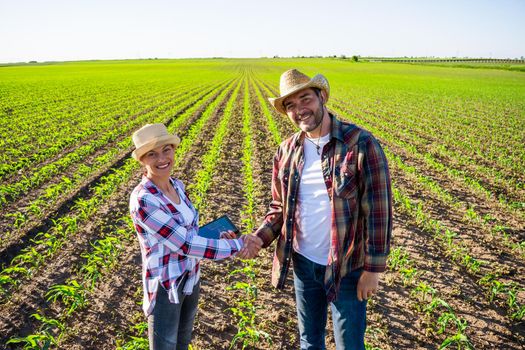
357, 179
170, 248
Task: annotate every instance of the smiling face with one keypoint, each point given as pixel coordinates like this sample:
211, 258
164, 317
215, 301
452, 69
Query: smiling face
305, 109
159, 161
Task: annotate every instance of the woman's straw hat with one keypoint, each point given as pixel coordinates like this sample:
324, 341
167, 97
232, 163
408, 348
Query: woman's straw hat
151, 136
292, 81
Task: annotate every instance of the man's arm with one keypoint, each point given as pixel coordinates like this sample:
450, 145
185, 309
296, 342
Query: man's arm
273, 221
376, 206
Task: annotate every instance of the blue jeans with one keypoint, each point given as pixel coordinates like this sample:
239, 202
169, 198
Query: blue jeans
170, 325
348, 313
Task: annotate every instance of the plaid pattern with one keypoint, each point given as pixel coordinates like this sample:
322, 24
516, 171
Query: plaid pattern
171, 250
357, 179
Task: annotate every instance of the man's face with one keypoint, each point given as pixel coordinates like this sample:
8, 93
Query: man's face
305, 109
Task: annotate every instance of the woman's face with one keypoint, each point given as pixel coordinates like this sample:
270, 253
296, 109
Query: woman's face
159, 161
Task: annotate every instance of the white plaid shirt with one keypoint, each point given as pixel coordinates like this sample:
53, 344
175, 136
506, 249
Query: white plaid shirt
170, 248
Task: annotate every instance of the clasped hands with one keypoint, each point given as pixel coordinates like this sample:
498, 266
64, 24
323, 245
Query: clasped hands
251, 247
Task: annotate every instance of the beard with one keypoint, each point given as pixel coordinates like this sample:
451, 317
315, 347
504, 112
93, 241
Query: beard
314, 119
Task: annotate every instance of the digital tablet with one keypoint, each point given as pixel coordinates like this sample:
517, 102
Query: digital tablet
214, 228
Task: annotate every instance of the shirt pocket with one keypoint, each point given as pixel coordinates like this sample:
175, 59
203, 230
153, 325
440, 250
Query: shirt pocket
345, 178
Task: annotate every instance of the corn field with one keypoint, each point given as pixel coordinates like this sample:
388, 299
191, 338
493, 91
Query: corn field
70, 265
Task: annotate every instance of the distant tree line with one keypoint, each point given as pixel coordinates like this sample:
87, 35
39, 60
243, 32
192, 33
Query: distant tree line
444, 60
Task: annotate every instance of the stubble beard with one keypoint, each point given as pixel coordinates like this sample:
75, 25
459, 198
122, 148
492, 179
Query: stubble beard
318, 119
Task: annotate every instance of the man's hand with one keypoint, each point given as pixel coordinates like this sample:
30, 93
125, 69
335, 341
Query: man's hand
367, 285
252, 245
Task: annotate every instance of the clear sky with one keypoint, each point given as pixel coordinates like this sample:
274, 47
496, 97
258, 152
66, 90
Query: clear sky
108, 29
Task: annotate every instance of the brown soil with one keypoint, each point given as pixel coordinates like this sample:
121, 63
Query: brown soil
28, 298
498, 188
488, 322
14, 240
393, 319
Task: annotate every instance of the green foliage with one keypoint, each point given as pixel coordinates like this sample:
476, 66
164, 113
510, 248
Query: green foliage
72, 295
463, 125
204, 176
44, 338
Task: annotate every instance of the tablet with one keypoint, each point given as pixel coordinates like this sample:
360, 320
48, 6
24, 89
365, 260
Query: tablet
214, 228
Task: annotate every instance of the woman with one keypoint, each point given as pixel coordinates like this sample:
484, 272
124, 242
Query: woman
167, 226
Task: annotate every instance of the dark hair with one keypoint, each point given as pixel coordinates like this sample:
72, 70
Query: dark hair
318, 93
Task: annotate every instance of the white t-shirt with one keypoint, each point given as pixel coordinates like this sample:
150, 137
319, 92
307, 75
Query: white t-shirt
313, 215
183, 209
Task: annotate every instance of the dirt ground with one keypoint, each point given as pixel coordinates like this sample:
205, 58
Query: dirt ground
394, 321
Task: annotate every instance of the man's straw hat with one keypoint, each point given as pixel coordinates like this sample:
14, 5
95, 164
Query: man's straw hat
292, 81
151, 136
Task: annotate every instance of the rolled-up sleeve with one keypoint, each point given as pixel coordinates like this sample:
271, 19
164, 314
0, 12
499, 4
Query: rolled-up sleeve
161, 226
376, 205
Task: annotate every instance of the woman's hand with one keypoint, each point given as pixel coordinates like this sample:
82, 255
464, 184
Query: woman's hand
228, 234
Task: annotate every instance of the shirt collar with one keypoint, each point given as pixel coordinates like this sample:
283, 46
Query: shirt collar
150, 186
337, 129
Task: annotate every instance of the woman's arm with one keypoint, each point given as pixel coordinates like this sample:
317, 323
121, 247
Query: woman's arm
162, 226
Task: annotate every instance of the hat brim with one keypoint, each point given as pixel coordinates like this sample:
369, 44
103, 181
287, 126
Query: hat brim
157, 142
318, 81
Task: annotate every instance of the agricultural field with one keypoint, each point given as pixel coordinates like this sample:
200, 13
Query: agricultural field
70, 273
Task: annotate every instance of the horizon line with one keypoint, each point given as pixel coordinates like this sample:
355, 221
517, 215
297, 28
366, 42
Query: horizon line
36, 62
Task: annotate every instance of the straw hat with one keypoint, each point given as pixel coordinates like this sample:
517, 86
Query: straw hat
151, 136
292, 81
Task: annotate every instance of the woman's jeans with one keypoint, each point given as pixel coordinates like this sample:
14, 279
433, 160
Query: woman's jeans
348, 314
170, 325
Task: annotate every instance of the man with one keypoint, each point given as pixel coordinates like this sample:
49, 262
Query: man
331, 212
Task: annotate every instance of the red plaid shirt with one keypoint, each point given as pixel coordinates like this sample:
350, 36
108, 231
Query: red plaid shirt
357, 179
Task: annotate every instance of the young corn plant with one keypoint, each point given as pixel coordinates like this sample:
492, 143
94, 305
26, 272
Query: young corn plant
204, 176
45, 336
459, 339
269, 118
245, 310
457, 251
429, 302
72, 295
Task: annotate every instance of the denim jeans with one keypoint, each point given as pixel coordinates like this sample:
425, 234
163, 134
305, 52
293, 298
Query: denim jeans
348, 313
170, 325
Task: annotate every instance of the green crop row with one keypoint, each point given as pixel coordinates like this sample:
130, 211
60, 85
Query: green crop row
30, 258
269, 118
112, 133
95, 120
74, 295
204, 176
67, 184
460, 253
428, 302
245, 309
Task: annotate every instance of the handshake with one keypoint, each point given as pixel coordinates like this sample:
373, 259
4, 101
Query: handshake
251, 247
